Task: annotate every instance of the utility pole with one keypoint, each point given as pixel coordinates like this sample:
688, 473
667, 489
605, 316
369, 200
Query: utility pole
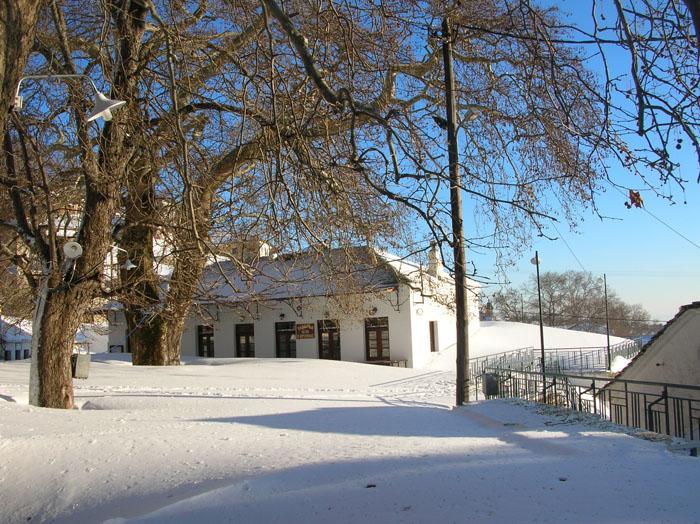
607, 319
536, 261
462, 395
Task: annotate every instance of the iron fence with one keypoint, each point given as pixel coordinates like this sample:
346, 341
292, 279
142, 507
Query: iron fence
522, 358
670, 409
583, 359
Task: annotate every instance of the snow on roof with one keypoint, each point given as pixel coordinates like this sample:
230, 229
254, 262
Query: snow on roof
309, 273
18, 330
15, 330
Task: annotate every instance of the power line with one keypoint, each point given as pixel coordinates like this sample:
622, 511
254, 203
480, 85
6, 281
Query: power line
561, 237
671, 228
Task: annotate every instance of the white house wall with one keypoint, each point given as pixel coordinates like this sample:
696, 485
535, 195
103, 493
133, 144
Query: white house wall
116, 337
408, 312
396, 306
674, 357
425, 310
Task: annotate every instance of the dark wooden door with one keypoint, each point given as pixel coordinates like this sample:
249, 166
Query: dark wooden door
205, 341
245, 340
286, 339
328, 339
377, 338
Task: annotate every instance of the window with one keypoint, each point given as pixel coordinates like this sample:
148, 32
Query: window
433, 336
245, 340
329, 339
205, 341
8, 354
26, 353
377, 338
286, 338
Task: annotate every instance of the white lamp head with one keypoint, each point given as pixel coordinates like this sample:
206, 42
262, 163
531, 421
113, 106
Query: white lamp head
103, 107
129, 265
72, 250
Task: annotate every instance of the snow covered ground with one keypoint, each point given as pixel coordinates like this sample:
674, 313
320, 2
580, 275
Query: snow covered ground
302, 441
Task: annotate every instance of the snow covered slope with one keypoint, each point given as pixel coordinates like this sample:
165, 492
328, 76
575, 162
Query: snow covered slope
301, 441
499, 336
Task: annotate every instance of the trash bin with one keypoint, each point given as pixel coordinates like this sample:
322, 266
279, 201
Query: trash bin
80, 364
489, 385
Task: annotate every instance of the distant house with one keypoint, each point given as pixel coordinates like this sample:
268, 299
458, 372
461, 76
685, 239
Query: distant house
672, 355
15, 339
659, 389
354, 304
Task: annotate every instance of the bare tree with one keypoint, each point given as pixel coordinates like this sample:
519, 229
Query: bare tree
51, 146
333, 114
572, 300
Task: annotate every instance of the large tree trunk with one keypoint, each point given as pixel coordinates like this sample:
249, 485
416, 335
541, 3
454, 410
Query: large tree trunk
56, 320
156, 319
156, 342
155, 332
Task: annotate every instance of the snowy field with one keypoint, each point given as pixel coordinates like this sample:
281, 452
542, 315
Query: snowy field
300, 441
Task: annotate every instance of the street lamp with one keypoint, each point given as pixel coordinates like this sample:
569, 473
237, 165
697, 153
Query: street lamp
102, 105
536, 261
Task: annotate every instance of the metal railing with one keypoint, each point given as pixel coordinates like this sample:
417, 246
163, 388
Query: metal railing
522, 358
583, 359
670, 409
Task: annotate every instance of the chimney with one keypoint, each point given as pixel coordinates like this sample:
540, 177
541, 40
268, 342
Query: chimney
434, 260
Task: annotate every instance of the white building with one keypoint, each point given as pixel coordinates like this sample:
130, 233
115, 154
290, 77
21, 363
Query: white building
672, 356
659, 389
353, 304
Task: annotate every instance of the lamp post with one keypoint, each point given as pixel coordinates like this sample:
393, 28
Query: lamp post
536, 262
102, 108
128, 264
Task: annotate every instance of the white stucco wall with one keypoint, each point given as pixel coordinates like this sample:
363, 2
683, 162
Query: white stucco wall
409, 315
395, 305
116, 334
674, 357
425, 310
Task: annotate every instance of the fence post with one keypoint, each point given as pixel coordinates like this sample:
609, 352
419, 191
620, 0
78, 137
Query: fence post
627, 407
595, 406
668, 416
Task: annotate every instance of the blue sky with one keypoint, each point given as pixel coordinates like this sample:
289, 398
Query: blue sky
645, 261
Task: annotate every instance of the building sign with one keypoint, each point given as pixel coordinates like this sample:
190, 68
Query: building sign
305, 331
